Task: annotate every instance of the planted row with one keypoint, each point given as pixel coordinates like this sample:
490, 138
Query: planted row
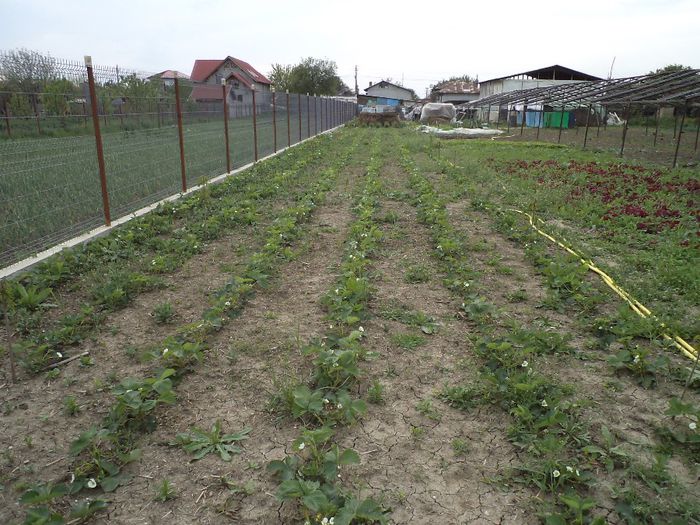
312, 475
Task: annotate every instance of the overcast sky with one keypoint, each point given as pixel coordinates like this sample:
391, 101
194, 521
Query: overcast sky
417, 43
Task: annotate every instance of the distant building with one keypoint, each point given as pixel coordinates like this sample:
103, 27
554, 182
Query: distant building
384, 95
546, 76
455, 91
240, 77
168, 77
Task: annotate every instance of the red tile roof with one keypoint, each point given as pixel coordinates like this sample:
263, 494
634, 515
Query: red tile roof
170, 74
245, 66
203, 69
241, 79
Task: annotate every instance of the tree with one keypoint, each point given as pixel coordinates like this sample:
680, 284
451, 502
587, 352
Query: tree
26, 71
57, 95
311, 75
281, 76
670, 68
463, 78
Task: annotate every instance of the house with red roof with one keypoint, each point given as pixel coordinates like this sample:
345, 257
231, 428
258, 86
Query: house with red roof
240, 78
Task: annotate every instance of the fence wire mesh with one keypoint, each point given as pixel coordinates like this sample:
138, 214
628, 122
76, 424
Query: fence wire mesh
50, 186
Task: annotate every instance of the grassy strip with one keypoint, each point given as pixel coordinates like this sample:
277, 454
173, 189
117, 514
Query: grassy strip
563, 456
101, 452
311, 476
208, 214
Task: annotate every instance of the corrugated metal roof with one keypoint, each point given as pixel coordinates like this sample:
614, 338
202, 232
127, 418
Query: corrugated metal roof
555, 72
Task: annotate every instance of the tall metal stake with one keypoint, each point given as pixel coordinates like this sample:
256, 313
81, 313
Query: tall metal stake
98, 140
678, 139
624, 130
588, 119
656, 131
522, 124
181, 137
561, 124
541, 122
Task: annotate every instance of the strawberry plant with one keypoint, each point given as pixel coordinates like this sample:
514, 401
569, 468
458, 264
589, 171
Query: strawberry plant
199, 442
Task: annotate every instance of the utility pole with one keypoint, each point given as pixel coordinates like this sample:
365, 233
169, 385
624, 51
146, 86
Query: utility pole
357, 89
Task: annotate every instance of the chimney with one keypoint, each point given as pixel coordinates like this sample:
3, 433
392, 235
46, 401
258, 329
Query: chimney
370, 83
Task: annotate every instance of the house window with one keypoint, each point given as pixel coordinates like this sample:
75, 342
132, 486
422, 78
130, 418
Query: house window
240, 98
236, 84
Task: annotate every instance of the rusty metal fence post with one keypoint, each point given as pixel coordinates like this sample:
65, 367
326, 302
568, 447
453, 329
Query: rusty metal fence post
274, 121
255, 125
98, 140
320, 105
289, 129
228, 151
299, 104
315, 114
181, 137
7, 119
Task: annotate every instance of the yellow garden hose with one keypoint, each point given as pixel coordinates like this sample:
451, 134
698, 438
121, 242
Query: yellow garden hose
636, 306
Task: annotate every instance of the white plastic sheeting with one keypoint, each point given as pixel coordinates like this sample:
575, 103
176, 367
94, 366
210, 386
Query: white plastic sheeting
434, 111
461, 133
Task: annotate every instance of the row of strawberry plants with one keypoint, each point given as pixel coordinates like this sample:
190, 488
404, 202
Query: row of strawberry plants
101, 452
619, 334
224, 210
543, 416
547, 421
312, 475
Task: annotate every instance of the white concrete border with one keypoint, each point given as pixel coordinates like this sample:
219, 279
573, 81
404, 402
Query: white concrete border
27, 263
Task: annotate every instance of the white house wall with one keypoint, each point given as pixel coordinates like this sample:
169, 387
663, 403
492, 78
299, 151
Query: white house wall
394, 92
512, 84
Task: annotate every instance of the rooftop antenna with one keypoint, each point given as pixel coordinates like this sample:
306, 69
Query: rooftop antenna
611, 68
